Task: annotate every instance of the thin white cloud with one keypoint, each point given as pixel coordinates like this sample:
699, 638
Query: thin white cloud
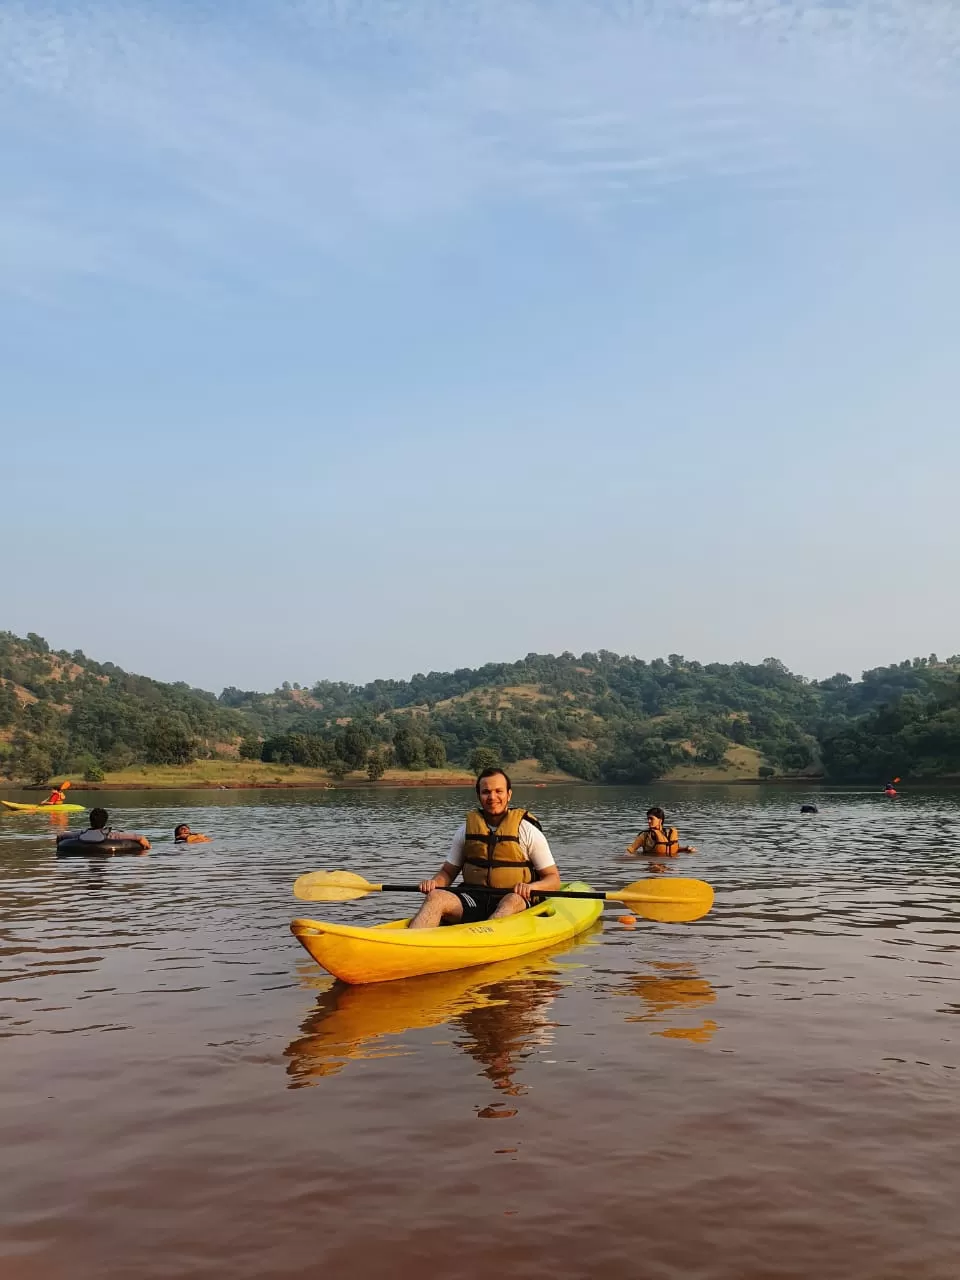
149, 142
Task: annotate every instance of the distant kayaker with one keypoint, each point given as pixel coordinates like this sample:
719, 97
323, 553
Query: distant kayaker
99, 831
58, 795
658, 841
497, 847
183, 835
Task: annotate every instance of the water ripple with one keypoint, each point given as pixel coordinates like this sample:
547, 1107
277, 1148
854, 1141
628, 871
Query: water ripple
787, 1064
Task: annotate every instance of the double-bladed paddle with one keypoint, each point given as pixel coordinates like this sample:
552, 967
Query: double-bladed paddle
667, 901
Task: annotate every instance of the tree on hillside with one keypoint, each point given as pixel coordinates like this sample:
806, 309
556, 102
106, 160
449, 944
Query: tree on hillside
375, 766
712, 749
9, 706
409, 748
434, 752
353, 744
167, 741
483, 758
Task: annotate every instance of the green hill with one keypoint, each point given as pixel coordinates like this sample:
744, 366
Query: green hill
62, 712
600, 716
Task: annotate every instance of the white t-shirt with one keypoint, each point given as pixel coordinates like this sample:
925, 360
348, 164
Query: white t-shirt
532, 841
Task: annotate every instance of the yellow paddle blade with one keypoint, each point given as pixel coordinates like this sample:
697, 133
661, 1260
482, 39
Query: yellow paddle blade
332, 886
668, 901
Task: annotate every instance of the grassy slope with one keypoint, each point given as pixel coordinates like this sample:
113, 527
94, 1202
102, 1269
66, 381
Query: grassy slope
251, 773
740, 763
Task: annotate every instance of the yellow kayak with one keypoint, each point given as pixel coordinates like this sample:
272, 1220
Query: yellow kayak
391, 950
42, 808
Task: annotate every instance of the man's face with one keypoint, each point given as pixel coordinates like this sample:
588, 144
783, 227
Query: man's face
653, 821
494, 796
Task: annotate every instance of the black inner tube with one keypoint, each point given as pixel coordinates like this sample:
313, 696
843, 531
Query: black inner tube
74, 847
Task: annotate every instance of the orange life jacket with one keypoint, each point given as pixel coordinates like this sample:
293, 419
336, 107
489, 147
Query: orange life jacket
493, 856
661, 842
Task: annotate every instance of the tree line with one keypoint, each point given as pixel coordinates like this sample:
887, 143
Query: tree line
597, 716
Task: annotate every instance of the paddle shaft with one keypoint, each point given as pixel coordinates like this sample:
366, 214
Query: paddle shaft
502, 893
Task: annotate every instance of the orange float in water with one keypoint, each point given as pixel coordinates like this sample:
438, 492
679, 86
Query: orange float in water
629, 921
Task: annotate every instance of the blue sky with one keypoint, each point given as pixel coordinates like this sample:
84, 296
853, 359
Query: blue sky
343, 340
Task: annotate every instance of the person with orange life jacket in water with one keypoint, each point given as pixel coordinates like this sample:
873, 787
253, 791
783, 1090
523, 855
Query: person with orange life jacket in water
183, 835
58, 795
658, 841
497, 847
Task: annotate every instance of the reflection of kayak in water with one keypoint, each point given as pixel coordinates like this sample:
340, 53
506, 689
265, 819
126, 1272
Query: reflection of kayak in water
672, 989
350, 1023
390, 951
42, 808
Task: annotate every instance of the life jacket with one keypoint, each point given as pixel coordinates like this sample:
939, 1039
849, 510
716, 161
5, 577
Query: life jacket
55, 797
661, 842
493, 856
94, 835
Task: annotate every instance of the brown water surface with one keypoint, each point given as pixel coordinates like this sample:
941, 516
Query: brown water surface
771, 1092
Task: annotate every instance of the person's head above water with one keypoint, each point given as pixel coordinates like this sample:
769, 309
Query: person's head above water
98, 819
181, 832
494, 791
655, 817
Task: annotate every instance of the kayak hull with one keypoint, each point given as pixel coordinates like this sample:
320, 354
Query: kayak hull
390, 951
13, 807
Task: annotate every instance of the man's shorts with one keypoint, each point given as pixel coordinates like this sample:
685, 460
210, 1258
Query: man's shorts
477, 904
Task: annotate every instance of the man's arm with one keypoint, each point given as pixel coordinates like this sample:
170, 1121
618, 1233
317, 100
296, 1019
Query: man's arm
442, 880
451, 868
534, 844
548, 881
143, 842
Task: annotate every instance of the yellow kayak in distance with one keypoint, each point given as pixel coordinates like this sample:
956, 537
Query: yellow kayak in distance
389, 951
13, 807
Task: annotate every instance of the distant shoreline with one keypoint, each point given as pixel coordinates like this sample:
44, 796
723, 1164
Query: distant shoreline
394, 784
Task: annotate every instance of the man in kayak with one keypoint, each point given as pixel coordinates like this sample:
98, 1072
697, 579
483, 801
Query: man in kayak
497, 847
98, 831
658, 841
58, 795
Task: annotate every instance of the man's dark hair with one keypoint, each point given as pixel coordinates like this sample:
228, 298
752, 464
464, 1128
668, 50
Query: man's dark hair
656, 812
98, 819
494, 772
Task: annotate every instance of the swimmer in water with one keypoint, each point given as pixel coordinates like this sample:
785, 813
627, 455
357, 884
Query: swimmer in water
183, 835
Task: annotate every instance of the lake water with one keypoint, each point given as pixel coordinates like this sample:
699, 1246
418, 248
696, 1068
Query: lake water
769, 1092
